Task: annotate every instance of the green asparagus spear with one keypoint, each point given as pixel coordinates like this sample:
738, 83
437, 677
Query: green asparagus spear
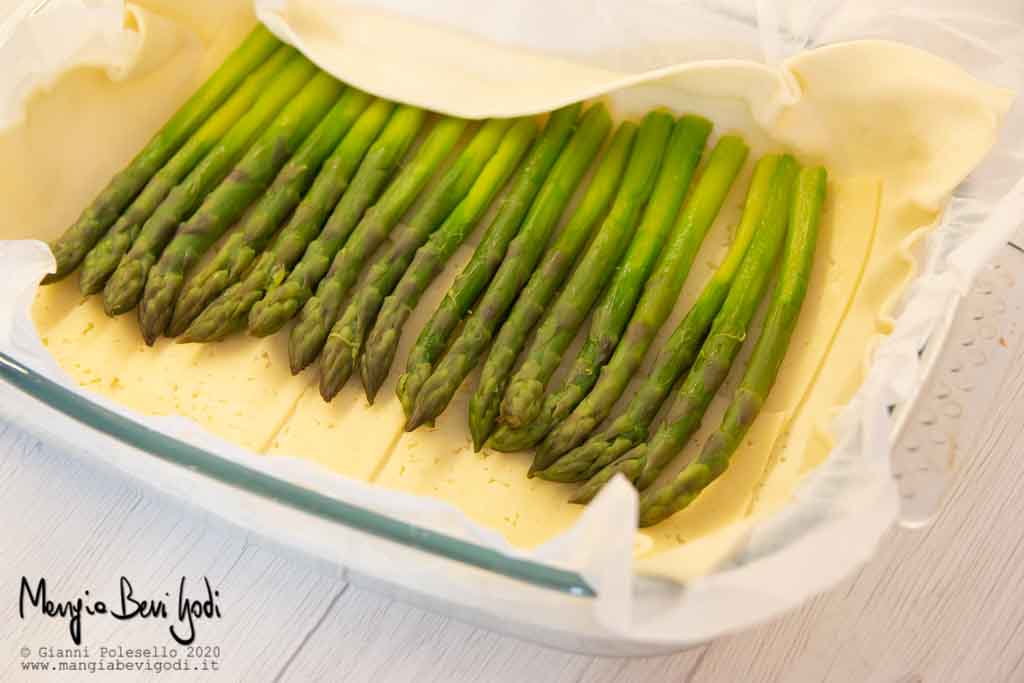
229, 311
530, 422
520, 260
382, 341
763, 368
345, 338
74, 244
103, 258
549, 276
485, 262
225, 204
644, 463
658, 298
676, 357
124, 288
353, 228
259, 225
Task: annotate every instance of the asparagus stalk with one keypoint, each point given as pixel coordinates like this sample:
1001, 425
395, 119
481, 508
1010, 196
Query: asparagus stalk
359, 229
382, 342
225, 204
549, 276
345, 338
763, 368
658, 298
92, 224
124, 288
103, 258
228, 312
522, 256
676, 357
258, 226
531, 422
644, 463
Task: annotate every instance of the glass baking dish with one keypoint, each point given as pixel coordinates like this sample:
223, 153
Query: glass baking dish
555, 605
550, 604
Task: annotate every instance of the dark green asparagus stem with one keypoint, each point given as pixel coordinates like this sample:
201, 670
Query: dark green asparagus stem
259, 225
679, 352
763, 368
382, 341
124, 288
645, 462
228, 312
345, 339
491, 250
545, 281
657, 301
352, 222
102, 259
74, 244
520, 260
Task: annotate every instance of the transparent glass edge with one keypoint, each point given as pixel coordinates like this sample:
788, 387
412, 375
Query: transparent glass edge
183, 454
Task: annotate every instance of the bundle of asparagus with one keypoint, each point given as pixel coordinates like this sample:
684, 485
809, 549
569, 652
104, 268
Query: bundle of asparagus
763, 368
644, 463
342, 339
358, 225
676, 357
97, 218
124, 288
548, 277
305, 177
229, 312
252, 234
383, 340
657, 301
101, 261
527, 414
425, 400
410, 262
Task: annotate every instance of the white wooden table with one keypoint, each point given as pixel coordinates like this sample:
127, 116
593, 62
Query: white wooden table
943, 604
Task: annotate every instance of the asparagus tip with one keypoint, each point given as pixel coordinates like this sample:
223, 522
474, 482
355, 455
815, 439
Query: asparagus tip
186, 312
370, 388
419, 417
335, 369
298, 357
88, 283
329, 387
371, 380
581, 497
533, 471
